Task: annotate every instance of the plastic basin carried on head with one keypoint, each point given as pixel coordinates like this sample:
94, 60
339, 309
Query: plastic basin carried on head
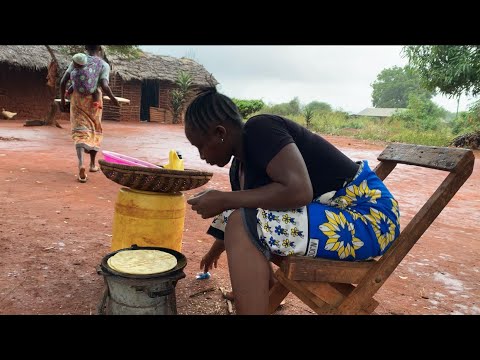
117, 158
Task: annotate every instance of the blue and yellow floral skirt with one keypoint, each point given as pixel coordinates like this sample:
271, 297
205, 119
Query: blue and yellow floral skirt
357, 222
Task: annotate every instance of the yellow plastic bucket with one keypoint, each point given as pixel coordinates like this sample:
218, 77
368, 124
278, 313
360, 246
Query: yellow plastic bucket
148, 219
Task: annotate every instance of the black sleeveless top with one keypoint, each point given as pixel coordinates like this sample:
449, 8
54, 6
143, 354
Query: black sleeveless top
265, 135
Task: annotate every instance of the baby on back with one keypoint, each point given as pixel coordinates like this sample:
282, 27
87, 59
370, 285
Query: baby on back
83, 77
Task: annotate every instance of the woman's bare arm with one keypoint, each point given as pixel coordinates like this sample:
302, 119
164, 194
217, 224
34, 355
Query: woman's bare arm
106, 89
291, 188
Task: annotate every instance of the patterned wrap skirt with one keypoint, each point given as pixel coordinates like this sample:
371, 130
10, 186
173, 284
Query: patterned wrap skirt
357, 222
86, 122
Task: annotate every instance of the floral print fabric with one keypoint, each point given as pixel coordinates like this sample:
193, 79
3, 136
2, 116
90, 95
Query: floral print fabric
357, 222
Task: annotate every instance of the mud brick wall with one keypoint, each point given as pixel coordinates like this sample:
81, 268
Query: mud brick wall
24, 92
165, 88
131, 90
111, 112
161, 115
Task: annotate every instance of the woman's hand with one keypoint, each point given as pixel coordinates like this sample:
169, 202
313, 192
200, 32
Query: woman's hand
208, 203
210, 259
115, 102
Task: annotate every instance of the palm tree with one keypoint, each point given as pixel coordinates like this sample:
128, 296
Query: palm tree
178, 97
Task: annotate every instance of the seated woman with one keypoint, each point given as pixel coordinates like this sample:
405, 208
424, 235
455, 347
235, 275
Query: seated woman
293, 194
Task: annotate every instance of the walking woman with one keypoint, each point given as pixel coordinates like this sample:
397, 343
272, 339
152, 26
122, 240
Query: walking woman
85, 114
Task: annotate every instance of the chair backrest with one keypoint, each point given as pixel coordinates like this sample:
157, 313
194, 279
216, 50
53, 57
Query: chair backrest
458, 162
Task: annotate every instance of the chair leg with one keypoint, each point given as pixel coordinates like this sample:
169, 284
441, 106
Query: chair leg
277, 293
321, 297
368, 306
300, 291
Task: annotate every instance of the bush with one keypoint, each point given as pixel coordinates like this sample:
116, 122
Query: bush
248, 107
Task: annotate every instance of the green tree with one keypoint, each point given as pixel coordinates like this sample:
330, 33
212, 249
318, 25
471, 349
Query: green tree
284, 109
474, 111
294, 106
422, 113
467, 121
450, 69
248, 107
394, 85
52, 79
318, 107
129, 51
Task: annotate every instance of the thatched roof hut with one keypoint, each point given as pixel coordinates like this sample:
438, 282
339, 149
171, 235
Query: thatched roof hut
30, 57
158, 67
23, 79
146, 81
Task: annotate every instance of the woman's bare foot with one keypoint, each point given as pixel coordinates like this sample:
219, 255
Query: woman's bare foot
228, 295
82, 177
94, 168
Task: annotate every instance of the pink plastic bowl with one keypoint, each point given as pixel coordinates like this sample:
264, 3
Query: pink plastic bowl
117, 158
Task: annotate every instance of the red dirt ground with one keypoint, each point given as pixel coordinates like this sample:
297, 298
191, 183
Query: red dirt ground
54, 231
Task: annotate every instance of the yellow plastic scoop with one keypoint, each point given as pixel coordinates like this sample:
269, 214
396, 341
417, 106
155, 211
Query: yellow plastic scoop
174, 161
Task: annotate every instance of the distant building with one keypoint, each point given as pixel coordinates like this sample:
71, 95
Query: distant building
381, 113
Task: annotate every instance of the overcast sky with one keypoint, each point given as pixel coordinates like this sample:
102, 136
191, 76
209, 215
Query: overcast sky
338, 75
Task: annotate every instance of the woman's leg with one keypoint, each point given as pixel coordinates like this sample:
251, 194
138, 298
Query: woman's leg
81, 167
271, 281
249, 269
93, 154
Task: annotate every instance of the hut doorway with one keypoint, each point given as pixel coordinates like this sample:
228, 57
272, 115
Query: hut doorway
149, 98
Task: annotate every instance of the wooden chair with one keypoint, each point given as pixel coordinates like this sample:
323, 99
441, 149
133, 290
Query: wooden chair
327, 286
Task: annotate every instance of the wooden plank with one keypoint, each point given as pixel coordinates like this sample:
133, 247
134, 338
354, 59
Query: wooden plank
309, 299
384, 169
346, 289
157, 114
332, 296
121, 100
317, 269
343, 288
277, 293
376, 277
324, 291
433, 157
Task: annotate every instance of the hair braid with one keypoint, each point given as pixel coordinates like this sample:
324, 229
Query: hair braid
211, 108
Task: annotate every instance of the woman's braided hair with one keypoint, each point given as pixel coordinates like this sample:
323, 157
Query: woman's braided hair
211, 108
